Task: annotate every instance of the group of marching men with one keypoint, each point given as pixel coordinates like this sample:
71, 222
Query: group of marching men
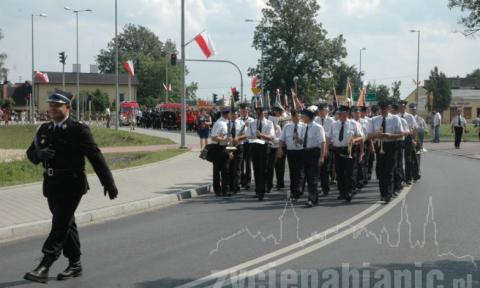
319, 146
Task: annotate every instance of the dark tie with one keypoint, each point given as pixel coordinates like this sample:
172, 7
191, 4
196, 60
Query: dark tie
259, 125
233, 130
340, 136
459, 123
323, 121
305, 138
384, 125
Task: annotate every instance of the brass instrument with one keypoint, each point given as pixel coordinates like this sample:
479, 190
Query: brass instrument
381, 143
350, 146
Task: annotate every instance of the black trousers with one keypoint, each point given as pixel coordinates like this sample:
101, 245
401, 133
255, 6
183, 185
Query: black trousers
271, 164
357, 172
325, 171
365, 163
458, 135
280, 171
399, 172
246, 166
64, 233
220, 171
311, 168
385, 168
295, 160
411, 160
344, 170
235, 166
259, 154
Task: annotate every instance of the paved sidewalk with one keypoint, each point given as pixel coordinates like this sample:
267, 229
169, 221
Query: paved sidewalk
24, 210
467, 149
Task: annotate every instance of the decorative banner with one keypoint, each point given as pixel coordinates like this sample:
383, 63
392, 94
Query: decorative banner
254, 81
205, 44
128, 65
256, 90
169, 88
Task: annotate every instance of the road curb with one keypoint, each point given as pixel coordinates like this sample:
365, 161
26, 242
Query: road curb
25, 230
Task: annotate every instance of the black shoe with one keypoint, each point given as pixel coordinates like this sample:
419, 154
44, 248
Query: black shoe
260, 197
416, 178
388, 199
325, 192
340, 197
247, 187
408, 183
309, 204
348, 199
40, 274
73, 270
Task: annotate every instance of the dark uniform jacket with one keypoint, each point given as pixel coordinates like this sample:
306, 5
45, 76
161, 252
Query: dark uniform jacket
65, 173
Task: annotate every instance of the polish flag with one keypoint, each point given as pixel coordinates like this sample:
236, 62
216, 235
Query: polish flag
167, 88
128, 65
42, 76
254, 81
206, 44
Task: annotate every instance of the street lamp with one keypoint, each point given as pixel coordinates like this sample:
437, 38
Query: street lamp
32, 99
360, 67
418, 63
78, 68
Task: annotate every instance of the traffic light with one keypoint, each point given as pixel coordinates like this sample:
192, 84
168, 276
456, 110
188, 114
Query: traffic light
63, 57
215, 98
235, 94
173, 59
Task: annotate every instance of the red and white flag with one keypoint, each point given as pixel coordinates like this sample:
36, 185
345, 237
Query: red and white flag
128, 65
42, 76
167, 88
254, 81
206, 44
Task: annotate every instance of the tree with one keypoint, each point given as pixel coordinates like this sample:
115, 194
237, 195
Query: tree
341, 74
3, 57
151, 57
396, 91
472, 20
7, 103
438, 86
294, 44
382, 91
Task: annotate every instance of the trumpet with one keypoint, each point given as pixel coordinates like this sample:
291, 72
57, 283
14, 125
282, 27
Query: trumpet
350, 146
381, 143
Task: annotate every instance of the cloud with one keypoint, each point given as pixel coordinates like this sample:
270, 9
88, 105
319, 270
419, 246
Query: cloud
360, 8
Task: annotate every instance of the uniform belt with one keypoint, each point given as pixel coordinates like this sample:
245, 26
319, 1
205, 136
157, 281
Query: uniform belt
312, 149
340, 149
51, 172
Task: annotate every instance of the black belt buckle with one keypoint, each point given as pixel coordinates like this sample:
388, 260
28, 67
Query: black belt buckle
50, 172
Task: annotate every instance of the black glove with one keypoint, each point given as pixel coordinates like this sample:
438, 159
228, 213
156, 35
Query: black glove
45, 154
111, 190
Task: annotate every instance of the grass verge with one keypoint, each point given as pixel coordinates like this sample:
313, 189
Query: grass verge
22, 171
20, 137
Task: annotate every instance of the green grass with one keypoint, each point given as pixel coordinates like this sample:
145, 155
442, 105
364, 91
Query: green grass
22, 171
20, 137
446, 133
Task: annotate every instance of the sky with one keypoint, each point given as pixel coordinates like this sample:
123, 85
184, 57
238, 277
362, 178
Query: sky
381, 26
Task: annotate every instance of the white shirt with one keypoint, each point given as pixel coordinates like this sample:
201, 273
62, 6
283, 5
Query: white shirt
365, 122
405, 127
437, 119
455, 121
267, 129
288, 133
220, 129
326, 123
421, 124
238, 127
412, 123
315, 135
393, 124
350, 129
276, 138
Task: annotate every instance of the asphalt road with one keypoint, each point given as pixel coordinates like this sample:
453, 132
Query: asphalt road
276, 243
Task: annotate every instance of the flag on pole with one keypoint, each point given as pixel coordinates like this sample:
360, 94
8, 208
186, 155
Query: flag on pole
42, 76
128, 65
167, 88
205, 44
349, 93
361, 98
335, 100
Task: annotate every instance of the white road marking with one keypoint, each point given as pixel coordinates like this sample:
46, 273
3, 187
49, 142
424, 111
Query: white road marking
318, 237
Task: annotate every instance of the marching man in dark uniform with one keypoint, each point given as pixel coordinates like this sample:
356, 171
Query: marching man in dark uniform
61, 146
